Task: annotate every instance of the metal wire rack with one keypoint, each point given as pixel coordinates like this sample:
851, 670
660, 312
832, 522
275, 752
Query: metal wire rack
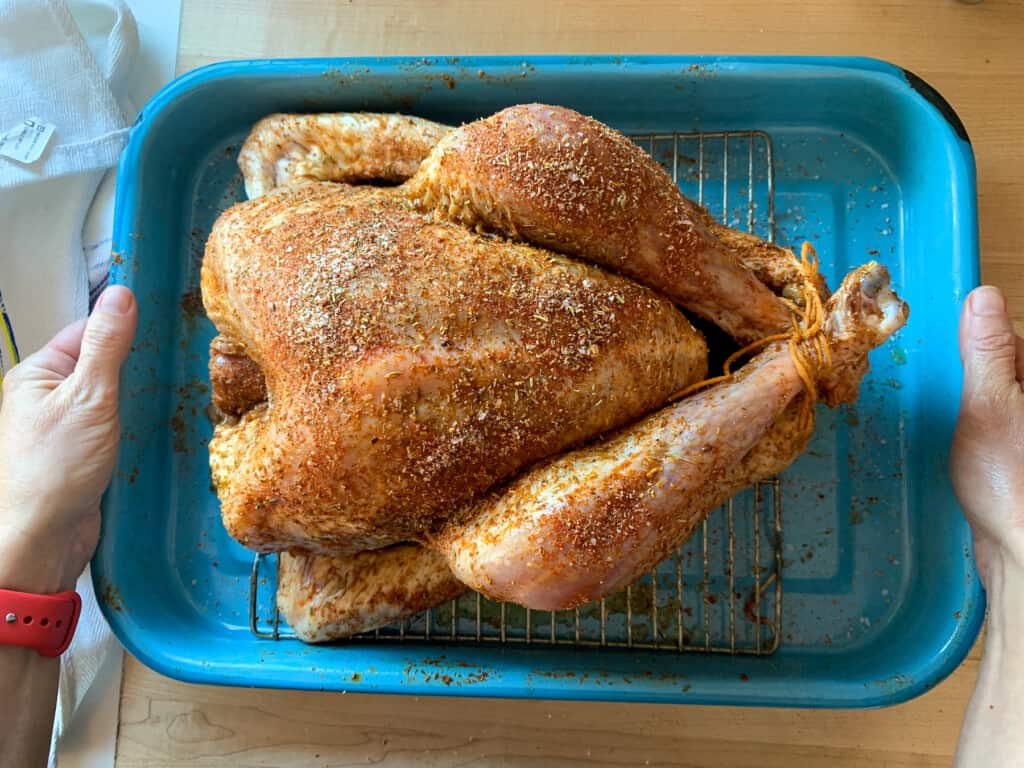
722, 590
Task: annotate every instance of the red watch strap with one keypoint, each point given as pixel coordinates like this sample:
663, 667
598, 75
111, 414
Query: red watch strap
44, 623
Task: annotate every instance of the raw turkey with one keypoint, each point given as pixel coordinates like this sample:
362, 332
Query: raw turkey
461, 376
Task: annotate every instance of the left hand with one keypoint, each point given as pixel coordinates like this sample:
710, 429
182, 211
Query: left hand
59, 432
987, 459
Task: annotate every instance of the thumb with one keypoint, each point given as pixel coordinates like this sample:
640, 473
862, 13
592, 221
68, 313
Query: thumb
108, 337
987, 344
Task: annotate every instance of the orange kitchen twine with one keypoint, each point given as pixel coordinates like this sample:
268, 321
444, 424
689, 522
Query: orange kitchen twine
808, 345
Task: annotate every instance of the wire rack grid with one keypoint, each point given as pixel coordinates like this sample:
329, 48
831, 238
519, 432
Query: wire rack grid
721, 592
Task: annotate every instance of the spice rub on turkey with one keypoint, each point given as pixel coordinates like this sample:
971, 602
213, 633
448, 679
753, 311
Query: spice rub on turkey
438, 362
410, 364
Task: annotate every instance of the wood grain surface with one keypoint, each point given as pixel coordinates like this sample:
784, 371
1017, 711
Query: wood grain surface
970, 52
165, 723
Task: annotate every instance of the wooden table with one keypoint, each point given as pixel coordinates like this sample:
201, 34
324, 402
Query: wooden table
970, 53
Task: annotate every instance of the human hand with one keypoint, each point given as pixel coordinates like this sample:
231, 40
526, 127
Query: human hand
59, 431
987, 458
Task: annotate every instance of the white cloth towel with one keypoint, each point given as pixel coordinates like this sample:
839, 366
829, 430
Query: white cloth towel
63, 65
51, 73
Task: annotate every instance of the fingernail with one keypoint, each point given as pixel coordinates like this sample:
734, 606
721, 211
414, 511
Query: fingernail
116, 300
987, 301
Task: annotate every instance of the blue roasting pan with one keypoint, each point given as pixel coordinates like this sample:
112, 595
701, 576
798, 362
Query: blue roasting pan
879, 595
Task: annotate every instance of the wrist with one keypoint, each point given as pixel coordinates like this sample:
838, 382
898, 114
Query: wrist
1004, 588
35, 561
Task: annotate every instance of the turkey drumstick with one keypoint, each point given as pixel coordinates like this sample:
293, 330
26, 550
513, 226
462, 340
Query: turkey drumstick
586, 524
555, 178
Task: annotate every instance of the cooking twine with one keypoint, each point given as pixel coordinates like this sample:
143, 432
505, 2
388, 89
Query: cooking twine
808, 345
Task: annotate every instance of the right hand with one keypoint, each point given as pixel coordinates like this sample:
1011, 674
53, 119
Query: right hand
987, 458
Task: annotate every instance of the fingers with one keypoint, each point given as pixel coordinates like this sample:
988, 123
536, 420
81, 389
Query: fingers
988, 345
107, 339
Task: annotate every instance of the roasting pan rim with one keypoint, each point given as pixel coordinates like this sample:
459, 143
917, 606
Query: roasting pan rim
151, 644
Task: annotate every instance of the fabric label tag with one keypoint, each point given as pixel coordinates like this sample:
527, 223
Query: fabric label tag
26, 142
